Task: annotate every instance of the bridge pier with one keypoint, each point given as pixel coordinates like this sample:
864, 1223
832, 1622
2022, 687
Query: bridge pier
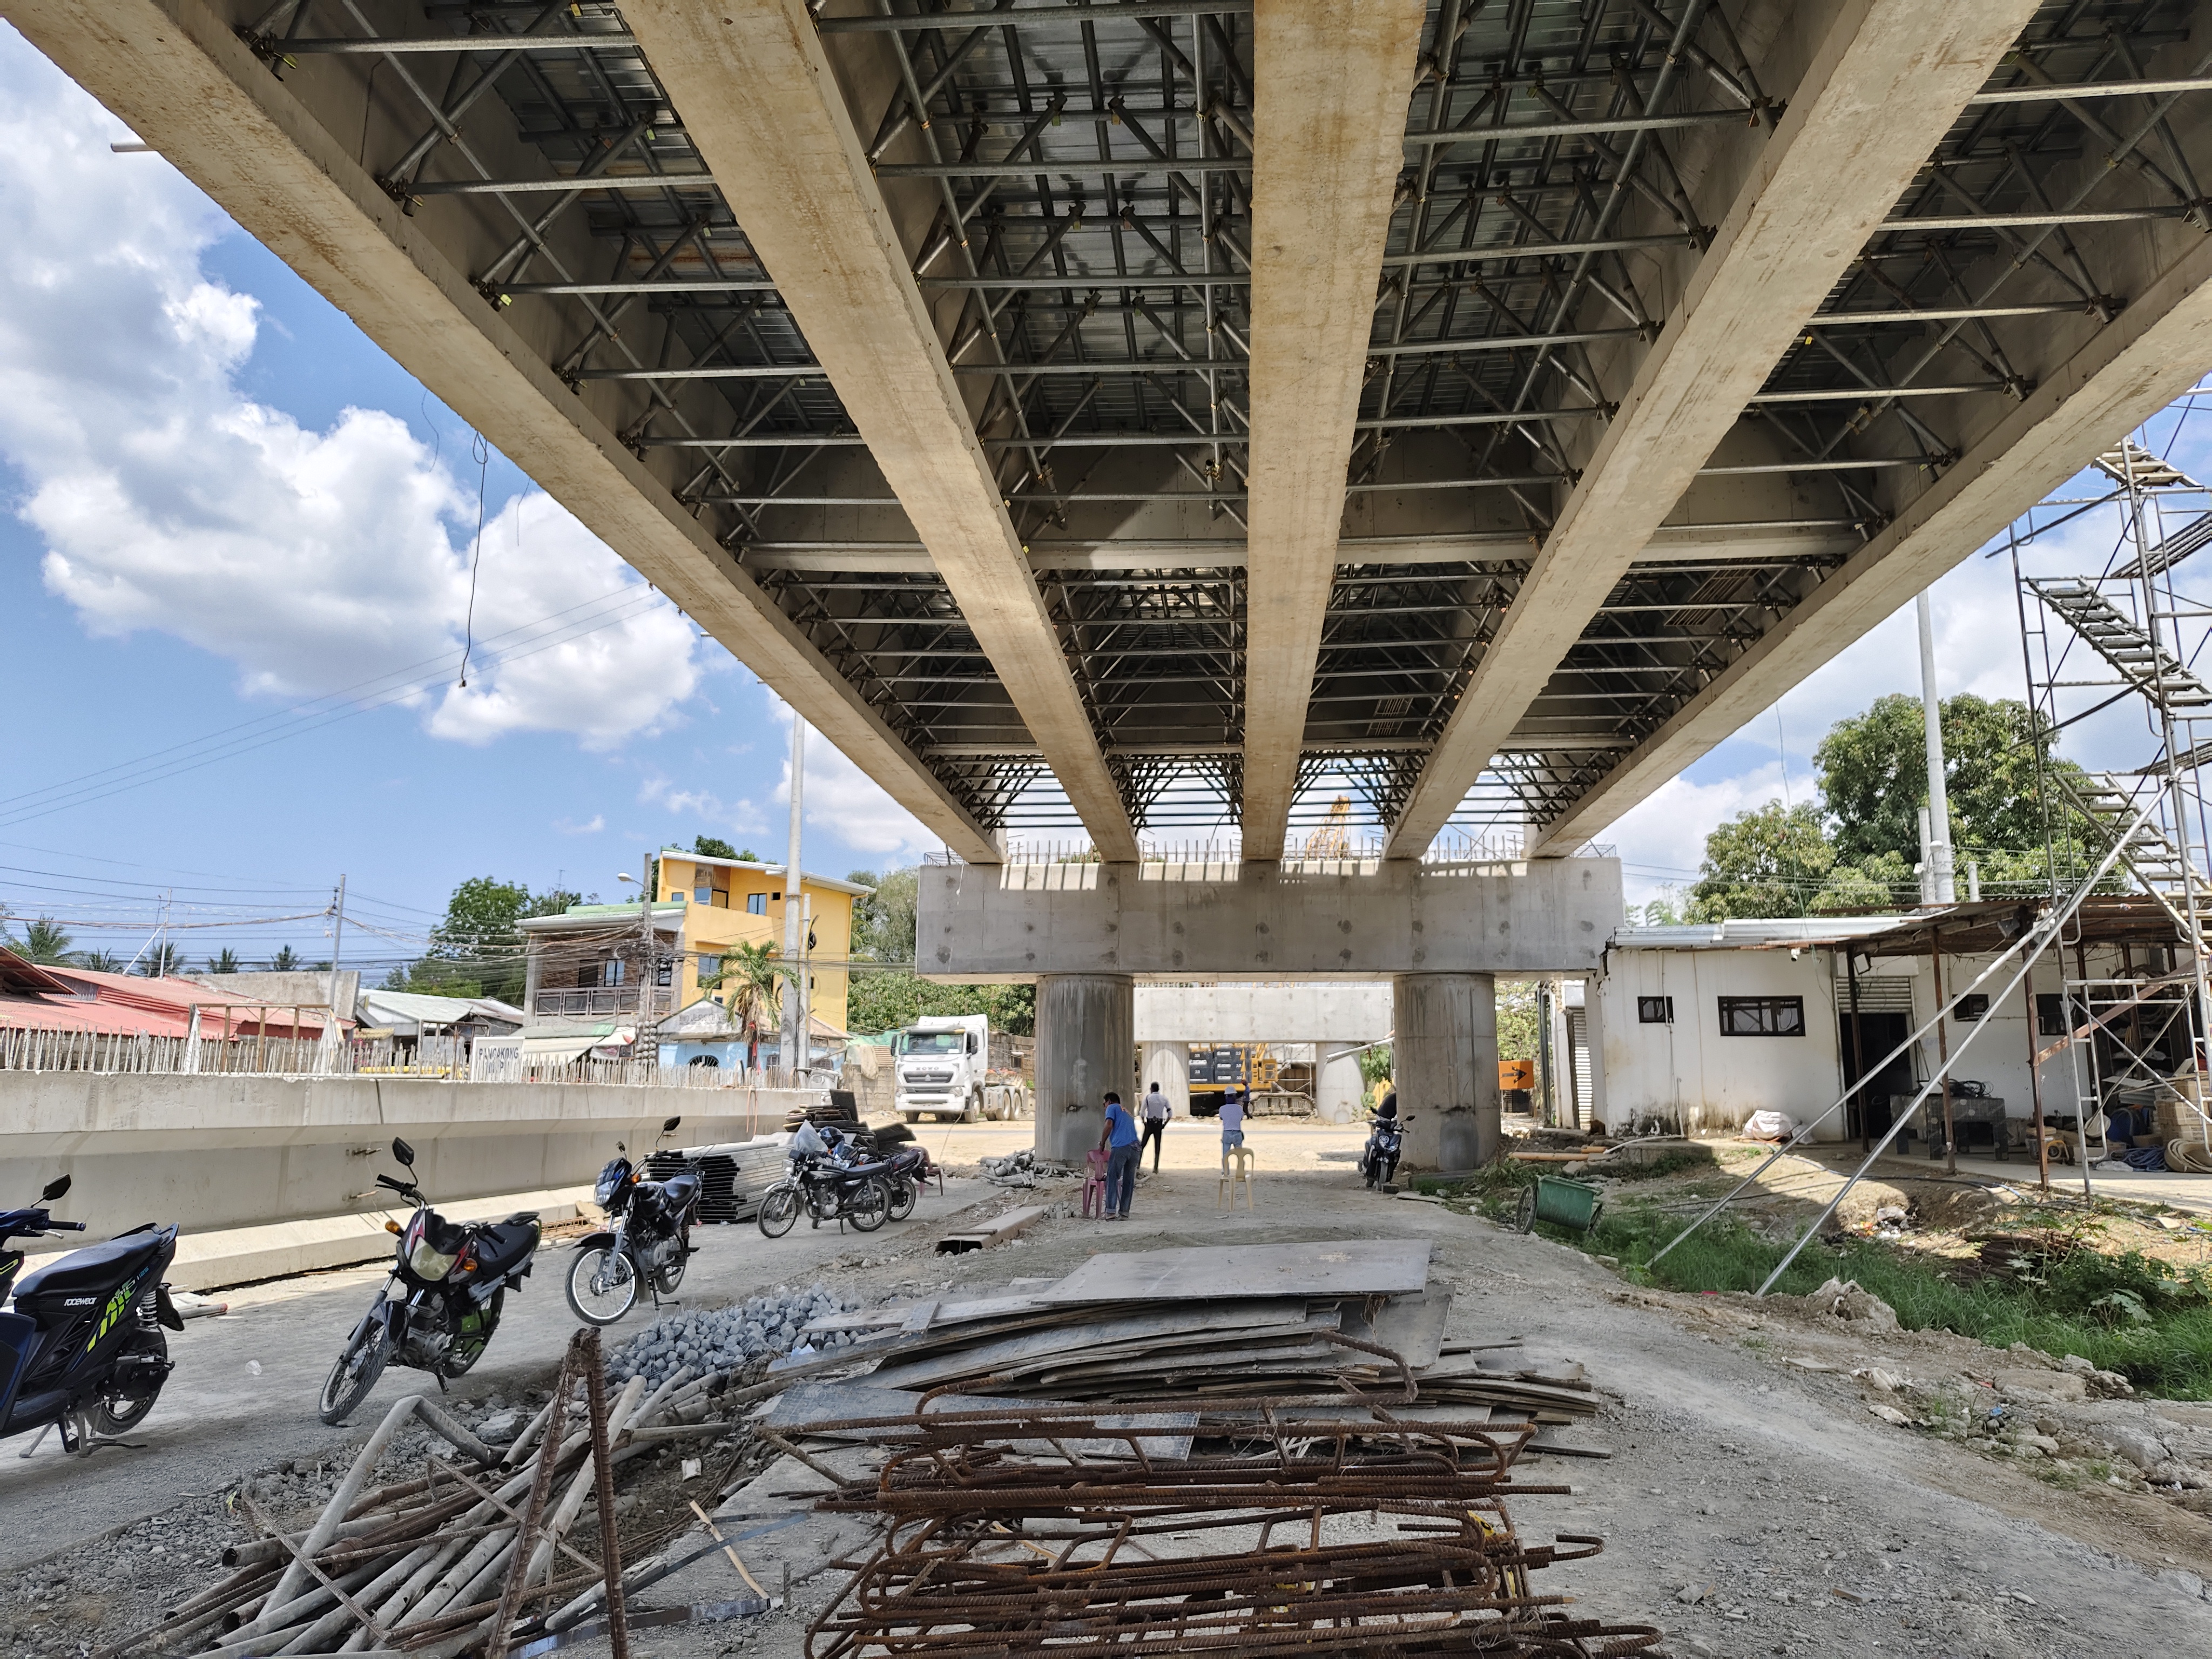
1443, 1051
1168, 1064
1086, 1043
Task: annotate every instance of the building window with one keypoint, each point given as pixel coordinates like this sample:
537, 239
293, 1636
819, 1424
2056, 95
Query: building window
1654, 1011
663, 971
721, 898
1968, 1009
756, 904
702, 894
611, 974
1762, 1017
2050, 1015
588, 976
708, 966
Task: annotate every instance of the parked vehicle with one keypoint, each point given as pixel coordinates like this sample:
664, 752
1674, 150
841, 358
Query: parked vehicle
649, 1245
905, 1165
955, 1066
825, 1188
84, 1350
1378, 1159
439, 1308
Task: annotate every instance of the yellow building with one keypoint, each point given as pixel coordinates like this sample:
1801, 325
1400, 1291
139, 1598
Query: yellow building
730, 901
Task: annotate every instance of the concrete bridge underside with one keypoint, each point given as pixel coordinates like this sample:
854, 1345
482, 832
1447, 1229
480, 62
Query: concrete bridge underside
1131, 420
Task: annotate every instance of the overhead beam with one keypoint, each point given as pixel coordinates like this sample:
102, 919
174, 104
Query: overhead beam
763, 102
1328, 143
184, 82
1885, 85
2151, 353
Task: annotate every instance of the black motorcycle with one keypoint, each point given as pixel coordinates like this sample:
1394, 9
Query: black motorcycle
84, 1350
650, 1242
442, 1303
903, 1164
826, 1190
1378, 1159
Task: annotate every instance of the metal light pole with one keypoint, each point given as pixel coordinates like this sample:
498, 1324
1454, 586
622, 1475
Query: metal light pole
338, 939
795, 920
1938, 884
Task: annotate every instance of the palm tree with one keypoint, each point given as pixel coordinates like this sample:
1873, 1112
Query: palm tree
224, 961
45, 941
99, 961
163, 961
285, 960
749, 978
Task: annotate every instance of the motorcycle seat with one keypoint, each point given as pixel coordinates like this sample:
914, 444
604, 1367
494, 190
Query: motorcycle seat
95, 1269
501, 1246
681, 1189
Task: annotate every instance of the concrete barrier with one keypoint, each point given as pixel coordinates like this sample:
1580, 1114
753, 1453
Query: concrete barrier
218, 1153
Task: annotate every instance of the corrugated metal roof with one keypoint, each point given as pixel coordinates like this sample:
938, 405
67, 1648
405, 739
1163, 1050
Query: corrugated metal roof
1753, 932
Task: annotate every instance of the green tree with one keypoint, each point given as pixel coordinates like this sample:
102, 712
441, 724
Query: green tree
287, 960
883, 921
99, 961
1874, 776
712, 846
477, 949
43, 941
890, 1000
1516, 1020
224, 961
1770, 861
161, 962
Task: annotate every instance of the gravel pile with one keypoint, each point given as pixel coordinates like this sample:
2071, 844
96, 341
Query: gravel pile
723, 1339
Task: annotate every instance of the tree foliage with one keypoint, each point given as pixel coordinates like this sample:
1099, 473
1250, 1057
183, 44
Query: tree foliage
1769, 861
748, 980
883, 922
44, 940
888, 1000
477, 949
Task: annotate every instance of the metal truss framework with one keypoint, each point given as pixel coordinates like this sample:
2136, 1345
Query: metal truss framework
1073, 186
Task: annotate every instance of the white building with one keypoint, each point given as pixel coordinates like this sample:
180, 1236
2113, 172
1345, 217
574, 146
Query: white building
1702, 1025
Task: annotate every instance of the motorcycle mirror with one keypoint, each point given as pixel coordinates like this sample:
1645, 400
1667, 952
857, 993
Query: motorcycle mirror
403, 1151
620, 1147
669, 1127
55, 1189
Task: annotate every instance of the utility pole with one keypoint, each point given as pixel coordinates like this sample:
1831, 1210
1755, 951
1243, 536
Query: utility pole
1937, 884
645, 884
794, 918
338, 939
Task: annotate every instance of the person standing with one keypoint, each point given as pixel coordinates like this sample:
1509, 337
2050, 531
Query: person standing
1232, 1122
1119, 1140
1157, 1109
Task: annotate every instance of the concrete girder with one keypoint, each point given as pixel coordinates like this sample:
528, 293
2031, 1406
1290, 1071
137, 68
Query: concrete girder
2154, 351
1329, 142
765, 106
181, 77
1886, 83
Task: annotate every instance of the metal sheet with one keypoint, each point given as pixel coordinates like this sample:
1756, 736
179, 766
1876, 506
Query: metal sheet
1136, 1330
798, 1409
1411, 1327
1391, 1267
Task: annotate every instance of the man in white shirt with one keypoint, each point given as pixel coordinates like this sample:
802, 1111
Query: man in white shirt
1232, 1120
1157, 1109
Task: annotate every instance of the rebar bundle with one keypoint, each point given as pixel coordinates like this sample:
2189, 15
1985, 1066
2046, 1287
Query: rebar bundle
1065, 1529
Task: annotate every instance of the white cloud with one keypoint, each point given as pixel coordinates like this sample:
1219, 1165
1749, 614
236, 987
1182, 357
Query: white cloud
1661, 840
314, 561
596, 823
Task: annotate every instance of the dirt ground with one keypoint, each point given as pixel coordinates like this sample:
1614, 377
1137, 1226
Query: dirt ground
1754, 1502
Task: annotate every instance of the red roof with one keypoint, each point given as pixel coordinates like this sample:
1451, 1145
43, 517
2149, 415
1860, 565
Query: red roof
57, 997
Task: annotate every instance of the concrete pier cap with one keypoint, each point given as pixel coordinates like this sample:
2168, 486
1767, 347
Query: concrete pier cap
1086, 934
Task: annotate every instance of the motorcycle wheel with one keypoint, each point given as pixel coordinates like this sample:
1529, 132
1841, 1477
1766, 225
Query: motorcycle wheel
670, 1275
869, 1206
115, 1412
779, 1210
905, 1193
602, 1286
467, 1349
356, 1373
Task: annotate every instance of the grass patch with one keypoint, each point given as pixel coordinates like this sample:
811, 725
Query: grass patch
1667, 1163
2122, 1310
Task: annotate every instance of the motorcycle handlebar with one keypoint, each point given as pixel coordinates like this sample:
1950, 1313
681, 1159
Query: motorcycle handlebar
399, 1187
65, 1226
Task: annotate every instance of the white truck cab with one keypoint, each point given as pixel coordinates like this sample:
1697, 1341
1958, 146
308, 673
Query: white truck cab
942, 1060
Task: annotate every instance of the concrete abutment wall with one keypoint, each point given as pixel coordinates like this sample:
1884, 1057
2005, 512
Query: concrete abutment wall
1086, 1043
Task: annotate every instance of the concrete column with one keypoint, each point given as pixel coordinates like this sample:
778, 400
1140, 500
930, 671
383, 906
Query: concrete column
1168, 1064
1086, 1043
1445, 1050
1337, 1084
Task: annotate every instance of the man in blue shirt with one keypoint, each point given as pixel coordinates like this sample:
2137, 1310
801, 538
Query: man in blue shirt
1122, 1141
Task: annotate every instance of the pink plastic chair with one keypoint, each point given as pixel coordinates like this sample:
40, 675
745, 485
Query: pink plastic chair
1094, 1184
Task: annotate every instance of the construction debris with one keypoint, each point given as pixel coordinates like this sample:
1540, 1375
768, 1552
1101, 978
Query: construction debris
997, 1230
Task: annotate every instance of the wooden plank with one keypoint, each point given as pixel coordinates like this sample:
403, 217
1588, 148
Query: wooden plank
1362, 1267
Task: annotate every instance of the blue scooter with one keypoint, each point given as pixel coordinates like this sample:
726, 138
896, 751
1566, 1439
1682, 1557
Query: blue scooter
82, 1349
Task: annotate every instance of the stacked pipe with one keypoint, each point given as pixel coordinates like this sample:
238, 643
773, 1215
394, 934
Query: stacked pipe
1047, 1530
419, 1565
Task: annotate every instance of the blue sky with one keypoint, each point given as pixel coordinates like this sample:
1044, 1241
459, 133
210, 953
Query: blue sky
236, 550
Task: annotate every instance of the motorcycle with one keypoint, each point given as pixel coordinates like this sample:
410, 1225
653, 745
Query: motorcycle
906, 1168
84, 1350
650, 1242
826, 1190
438, 1310
1378, 1159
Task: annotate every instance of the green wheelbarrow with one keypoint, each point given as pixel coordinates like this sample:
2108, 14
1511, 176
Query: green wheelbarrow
1562, 1202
